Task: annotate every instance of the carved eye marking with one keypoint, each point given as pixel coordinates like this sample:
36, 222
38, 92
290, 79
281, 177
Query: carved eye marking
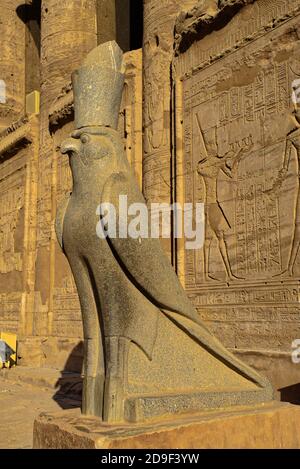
84, 138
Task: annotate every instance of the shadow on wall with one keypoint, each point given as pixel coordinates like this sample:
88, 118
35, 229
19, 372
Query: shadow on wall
290, 394
69, 385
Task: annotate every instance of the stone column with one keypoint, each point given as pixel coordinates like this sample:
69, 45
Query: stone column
123, 25
33, 45
12, 63
159, 20
106, 20
68, 33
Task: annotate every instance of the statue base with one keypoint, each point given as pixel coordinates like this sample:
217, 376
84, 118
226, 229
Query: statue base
271, 425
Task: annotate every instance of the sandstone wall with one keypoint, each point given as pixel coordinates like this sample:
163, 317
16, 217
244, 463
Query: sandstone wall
18, 190
12, 63
68, 33
217, 115
234, 69
61, 344
38, 295
159, 21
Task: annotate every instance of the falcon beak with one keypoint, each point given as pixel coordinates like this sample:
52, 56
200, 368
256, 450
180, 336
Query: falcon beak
69, 145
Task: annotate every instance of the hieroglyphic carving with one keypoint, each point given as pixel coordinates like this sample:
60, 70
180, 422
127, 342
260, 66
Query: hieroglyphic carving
62, 109
11, 129
256, 317
12, 187
64, 177
156, 162
67, 319
252, 22
251, 199
68, 33
14, 137
12, 200
233, 127
10, 311
12, 66
210, 165
292, 145
17, 222
159, 19
130, 119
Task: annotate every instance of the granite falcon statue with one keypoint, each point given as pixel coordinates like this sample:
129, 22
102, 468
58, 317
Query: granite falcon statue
147, 353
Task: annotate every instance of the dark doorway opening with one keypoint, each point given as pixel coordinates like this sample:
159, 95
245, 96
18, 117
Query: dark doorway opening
136, 24
129, 24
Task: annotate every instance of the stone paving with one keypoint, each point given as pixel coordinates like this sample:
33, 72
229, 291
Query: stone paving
20, 403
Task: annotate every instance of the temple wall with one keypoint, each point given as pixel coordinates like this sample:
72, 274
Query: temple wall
64, 44
68, 33
233, 112
159, 21
12, 63
131, 118
205, 116
18, 192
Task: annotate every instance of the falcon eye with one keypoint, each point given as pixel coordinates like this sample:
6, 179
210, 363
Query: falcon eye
85, 138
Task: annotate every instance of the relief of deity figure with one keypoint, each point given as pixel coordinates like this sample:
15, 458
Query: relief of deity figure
292, 145
216, 222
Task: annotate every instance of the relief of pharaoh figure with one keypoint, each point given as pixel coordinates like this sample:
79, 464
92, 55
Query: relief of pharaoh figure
147, 353
217, 224
292, 145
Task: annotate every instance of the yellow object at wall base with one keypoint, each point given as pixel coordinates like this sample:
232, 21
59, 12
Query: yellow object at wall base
11, 341
33, 103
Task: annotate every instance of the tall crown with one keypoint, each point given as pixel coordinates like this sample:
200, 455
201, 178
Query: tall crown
98, 86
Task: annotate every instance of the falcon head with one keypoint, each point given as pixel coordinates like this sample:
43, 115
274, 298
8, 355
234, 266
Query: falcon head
92, 147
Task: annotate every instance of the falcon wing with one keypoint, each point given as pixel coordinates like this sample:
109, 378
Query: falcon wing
143, 259
59, 220
149, 269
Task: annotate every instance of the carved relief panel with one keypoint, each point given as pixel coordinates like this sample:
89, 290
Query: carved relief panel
130, 118
12, 185
241, 158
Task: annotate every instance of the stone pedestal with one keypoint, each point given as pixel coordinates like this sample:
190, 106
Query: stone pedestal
273, 425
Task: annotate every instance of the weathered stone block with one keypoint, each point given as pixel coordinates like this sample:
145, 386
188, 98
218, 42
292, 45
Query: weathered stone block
274, 425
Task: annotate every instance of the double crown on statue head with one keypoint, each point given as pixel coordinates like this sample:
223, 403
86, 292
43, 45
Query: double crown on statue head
98, 86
